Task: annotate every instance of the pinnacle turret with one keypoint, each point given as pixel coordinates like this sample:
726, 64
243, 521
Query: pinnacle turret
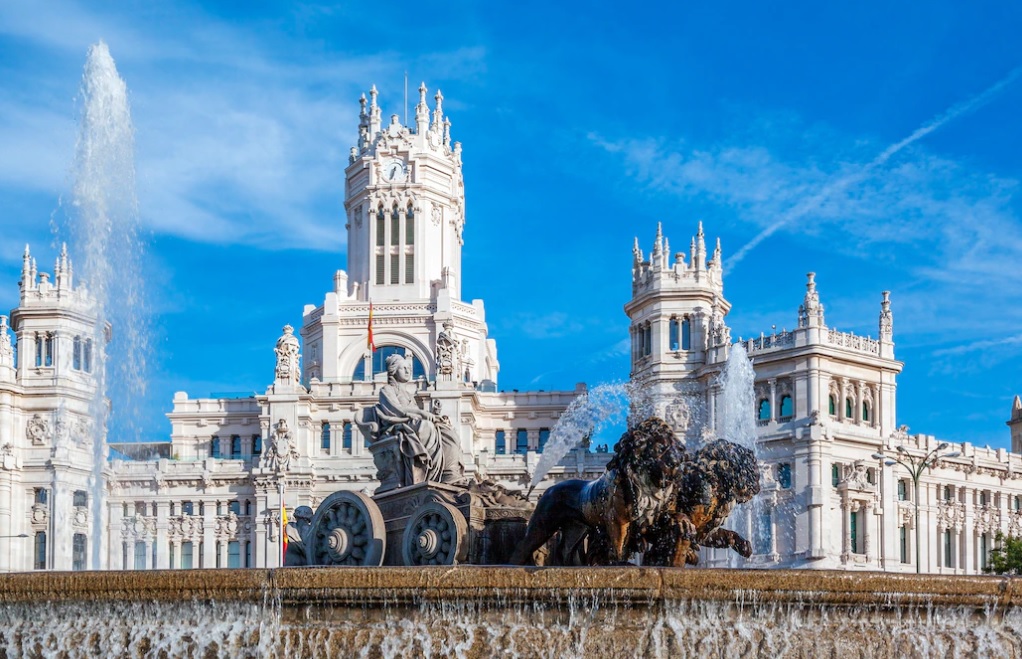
422, 111
810, 313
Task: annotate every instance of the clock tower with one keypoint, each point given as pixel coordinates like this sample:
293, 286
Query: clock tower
404, 204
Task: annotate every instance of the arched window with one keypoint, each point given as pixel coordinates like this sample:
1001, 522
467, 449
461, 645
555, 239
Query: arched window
849, 409
409, 226
786, 410
257, 445
865, 411
324, 437
381, 226
395, 226
686, 334
832, 405
764, 410
346, 437
379, 363
214, 448
236, 446
675, 340
647, 340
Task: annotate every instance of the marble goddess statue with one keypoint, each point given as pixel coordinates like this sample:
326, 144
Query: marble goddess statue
428, 444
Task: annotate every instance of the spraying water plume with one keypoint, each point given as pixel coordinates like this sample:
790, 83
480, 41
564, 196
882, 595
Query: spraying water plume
103, 228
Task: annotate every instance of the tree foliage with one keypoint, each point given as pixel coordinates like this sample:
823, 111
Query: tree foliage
1006, 556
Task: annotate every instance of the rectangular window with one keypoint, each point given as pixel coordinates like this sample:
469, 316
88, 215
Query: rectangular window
379, 268
410, 228
218, 559
395, 227
40, 496
76, 354
324, 438
903, 543
902, 490
38, 350
380, 228
409, 268
544, 436
214, 447
686, 334
257, 445
248, 554
140, 507
983, 547
173, 555
853, 524
522, 441
236, 447
87, 356
395, 264
673, 339
233, 554
784, 475
835, 474
49, 350
234, 507
499, 444
764, 534
80, 499
346, 438
187, 507
124, 555
152, 565
948, 558
202, 555
40, 550
139, 555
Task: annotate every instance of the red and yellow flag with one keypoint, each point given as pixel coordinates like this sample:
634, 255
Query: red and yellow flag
370, 344
283, 528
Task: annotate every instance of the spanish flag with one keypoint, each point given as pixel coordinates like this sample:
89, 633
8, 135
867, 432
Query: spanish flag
283, 531
370, 344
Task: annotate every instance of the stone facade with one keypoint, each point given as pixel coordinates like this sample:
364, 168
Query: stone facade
825, 402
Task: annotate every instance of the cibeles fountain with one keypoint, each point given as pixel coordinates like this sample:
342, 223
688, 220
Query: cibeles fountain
436, 564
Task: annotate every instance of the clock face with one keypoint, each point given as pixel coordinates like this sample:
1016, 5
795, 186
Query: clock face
394, 170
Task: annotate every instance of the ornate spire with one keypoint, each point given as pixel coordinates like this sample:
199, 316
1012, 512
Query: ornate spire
363, 116
886, 318
637, 257
810, 314
1016, 410
447, 131
422, 111
375, 116
438, 112
700, 256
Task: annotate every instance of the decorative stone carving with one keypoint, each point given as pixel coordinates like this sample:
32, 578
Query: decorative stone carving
38, 430
446, 352
6, 350
288, 358
40, 513
886, 318
436, 215
856, 478
282, 450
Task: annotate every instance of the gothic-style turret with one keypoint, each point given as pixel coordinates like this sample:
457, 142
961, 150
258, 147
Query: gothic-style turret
1015, 423
422, 111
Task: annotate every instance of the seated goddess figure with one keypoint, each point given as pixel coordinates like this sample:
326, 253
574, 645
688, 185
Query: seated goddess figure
430, 448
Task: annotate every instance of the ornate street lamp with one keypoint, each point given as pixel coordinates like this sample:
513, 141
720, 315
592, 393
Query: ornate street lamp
915, 466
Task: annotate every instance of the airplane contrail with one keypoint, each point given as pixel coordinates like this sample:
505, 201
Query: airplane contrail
815, 201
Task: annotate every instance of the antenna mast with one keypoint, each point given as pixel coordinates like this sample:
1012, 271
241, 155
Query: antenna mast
406, 98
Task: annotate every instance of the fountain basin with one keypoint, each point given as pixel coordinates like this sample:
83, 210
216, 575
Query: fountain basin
500, 611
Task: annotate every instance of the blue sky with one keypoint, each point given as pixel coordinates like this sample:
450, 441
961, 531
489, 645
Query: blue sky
583, 124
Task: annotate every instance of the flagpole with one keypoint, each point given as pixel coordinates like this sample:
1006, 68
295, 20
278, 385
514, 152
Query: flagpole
280, 489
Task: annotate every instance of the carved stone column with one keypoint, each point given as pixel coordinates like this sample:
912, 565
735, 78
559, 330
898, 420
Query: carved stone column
773, 398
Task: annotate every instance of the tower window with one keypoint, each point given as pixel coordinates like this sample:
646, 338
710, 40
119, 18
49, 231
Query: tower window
409, 227
764, 410
647, 340
380, 260
380, 227
379, 363
395, 275
686, 334
76, 354
675, 341
48, 345
409, 268
522, 441
395, 227
38, 350
346, 437
787, 409
40, 550
324, 438
87, 356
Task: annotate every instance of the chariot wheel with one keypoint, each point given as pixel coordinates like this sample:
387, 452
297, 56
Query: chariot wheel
347, 529
435, 535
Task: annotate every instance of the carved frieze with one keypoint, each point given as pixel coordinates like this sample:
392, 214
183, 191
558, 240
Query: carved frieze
38, 430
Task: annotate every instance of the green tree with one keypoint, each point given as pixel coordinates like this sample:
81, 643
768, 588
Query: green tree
1006, 556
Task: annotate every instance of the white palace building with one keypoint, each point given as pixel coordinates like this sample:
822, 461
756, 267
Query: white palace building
210, 497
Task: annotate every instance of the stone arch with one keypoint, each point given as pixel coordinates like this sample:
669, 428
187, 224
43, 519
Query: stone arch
348, 359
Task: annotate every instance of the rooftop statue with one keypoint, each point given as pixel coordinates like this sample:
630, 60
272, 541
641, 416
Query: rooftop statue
288, 369
409, 444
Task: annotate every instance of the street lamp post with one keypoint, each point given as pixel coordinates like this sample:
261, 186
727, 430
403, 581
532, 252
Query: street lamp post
915, 468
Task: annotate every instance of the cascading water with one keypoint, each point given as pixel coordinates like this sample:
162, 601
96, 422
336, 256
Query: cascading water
103, 228
738, 399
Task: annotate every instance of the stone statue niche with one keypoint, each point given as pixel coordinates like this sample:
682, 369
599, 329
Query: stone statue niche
409, 444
